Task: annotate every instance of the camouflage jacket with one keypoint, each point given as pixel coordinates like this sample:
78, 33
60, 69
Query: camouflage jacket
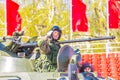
48, 59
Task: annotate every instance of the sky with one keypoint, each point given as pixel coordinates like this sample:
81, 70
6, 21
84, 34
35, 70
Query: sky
1, 1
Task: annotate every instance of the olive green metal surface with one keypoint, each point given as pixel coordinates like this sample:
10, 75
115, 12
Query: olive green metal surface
10, 64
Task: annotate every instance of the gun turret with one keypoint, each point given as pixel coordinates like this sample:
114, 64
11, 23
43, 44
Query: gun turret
34, 44
87, 39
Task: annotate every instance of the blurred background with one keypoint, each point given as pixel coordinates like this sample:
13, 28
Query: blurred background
38, 16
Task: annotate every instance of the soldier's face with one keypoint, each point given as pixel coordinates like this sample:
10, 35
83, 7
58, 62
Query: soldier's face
55, 35
87, 69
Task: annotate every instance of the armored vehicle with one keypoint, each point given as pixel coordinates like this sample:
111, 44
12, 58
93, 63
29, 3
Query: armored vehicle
17, 61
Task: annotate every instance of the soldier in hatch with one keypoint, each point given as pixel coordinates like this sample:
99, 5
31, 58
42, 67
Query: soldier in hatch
87, 67
16, 38
49, 50
86, 70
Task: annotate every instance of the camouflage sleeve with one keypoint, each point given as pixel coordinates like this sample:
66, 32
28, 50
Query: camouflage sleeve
44, 47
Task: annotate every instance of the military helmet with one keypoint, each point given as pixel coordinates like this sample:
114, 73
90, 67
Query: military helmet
85, 65
54, 28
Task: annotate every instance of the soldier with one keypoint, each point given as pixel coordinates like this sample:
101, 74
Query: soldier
49, 50
17, 35
16, 39
86, 67
87, 70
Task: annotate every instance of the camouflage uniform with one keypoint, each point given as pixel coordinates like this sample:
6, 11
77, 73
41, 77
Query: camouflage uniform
48, 59
47, 62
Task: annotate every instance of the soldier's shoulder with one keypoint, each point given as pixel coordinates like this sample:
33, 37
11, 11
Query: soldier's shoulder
39, 42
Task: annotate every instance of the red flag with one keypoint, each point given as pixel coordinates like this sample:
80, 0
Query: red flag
79, 19
114, 14
13, 17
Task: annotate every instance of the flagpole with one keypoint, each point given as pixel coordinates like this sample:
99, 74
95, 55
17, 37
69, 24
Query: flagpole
5, 18
71, 32
108, 30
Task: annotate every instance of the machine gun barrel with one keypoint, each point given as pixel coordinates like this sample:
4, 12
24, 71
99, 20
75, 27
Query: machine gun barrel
29, 44
87, 39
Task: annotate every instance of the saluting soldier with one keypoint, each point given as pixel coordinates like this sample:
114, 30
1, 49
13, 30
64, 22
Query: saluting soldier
49, 50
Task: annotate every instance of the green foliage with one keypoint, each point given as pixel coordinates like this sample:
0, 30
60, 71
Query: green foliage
97, 18
39, 20
2, 19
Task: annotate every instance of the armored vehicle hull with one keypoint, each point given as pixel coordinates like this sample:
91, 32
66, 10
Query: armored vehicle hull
16, 63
